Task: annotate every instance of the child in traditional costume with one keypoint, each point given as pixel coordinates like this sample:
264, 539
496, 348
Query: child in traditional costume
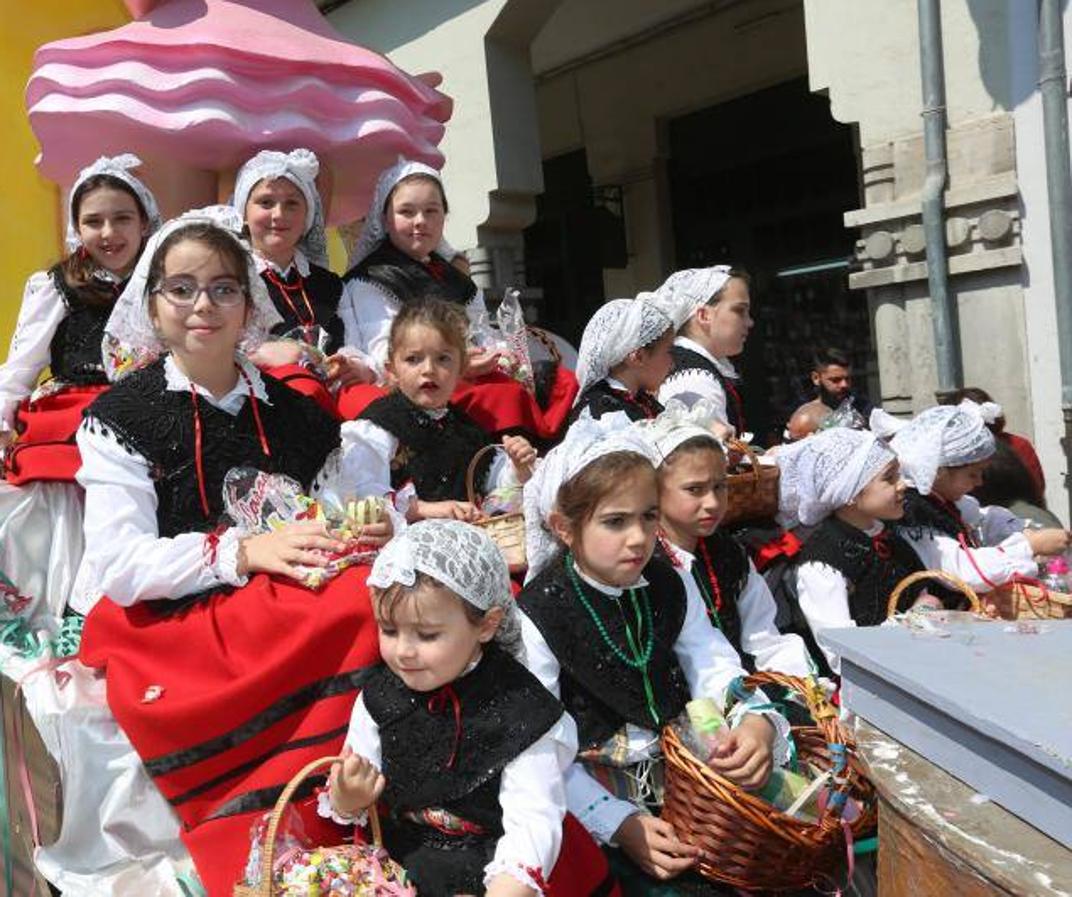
942, 452
463, 744
610, 631
711, 309
714, 567
204, 656
623, 359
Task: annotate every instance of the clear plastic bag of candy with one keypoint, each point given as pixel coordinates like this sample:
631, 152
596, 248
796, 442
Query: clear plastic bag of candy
514, 358
313, 341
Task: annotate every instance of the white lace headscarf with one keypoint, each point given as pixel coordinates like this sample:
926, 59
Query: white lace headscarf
463, 558
130, 340
586, 441
827, 471
619, 327
942, 436
118, 167
685, 291
375, 227
676, 425
300, 167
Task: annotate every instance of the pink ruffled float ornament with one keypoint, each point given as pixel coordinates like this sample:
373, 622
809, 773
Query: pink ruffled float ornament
196, 87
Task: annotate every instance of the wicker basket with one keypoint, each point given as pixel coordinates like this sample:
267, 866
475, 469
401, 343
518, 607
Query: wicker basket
754, 845
946, 578
1027, 600
266, 888
751, 494
508, 530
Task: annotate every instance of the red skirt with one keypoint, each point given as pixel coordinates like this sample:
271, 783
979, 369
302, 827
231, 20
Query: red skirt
498, 403
303, 380
45, 449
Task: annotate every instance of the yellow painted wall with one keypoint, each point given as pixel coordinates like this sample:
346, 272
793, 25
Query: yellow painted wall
32, 230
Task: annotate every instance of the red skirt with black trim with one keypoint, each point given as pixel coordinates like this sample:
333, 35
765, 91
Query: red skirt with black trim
301, 379
45, 448
497, 402
227, 697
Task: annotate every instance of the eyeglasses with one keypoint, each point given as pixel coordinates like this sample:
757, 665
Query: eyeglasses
183, 292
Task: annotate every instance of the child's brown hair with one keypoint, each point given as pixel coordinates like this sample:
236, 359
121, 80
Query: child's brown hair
448, 319
216, 239
579, 496
414, 178
691, 446
386, 601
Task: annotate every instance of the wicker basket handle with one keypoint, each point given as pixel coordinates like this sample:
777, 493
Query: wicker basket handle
470, 473
745, 449
268, 860
948, 578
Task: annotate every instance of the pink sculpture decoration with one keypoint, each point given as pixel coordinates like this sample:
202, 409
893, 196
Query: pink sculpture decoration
196, 87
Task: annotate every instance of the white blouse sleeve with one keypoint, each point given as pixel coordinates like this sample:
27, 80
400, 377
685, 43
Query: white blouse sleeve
692, 385
824, 599
367, 312
596, 809
981, 568
125, 557
363, 738
367, 450
30, 353
761, 638
532, 795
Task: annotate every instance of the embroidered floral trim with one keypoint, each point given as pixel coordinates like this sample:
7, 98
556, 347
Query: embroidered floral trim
527, 875
222, 548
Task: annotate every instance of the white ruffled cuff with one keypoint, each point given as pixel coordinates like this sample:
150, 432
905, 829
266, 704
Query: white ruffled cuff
327, 811
533, 878
8, 409
402, 499
759, 703
224, 563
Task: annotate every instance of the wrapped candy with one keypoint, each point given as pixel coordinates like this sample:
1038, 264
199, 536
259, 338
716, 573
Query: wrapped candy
514, 358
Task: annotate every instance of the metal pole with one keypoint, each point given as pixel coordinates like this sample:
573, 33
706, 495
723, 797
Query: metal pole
943, 308
1052, 80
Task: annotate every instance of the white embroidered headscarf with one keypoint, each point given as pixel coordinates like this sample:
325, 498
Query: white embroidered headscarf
300, 167
586, 441
375, 227
942, 436
463, 558
619, 327
685, 291
676, 425
118, 167
130, 340
827, 471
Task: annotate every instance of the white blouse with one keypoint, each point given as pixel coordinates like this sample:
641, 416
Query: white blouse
755, 605
531, 793
710, 665
367, 311
42, 312
125, 557
694, 384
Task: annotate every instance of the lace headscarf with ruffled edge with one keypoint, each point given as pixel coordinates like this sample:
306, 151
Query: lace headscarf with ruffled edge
300, 167
942, 436
586, 441
375, 227
118, 167
130, 340
619, 327
676, 425
685, 291
462, 557
825, 472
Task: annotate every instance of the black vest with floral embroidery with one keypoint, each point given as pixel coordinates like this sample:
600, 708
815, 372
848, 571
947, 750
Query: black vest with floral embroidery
75, 349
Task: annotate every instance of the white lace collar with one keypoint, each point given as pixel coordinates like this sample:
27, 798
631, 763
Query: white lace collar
108, 276
603, 588
177, 381
679, 554
724, 365
299, 261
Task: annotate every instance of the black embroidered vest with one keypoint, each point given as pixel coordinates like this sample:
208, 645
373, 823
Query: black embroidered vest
599, 690
601, 398
158, 423
730, 560
75, 349
433, 454
406, 278
686, 359
503, 711
925, 513
322, 288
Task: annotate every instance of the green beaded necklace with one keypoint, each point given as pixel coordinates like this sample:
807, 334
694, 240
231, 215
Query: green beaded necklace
642, 612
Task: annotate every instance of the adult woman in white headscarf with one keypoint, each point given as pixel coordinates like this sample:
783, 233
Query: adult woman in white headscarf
847, 484
202, 653
943, 451
711, 309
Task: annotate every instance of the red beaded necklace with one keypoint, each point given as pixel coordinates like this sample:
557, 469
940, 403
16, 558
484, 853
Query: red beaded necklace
286, 289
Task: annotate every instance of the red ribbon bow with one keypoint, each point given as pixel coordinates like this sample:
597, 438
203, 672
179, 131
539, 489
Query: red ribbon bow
437, 704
